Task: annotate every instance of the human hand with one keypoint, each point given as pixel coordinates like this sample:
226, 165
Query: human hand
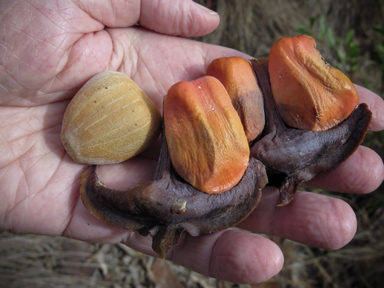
50, 48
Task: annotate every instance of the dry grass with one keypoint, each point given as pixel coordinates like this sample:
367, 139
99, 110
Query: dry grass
42, 261
252, 27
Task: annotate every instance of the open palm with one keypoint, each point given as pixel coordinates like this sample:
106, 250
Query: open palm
49, 49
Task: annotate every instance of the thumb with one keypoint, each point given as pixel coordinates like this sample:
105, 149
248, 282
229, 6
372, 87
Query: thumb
183, 18
179, 18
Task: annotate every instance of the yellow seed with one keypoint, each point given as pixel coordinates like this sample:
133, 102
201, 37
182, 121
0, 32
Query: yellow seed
109, 120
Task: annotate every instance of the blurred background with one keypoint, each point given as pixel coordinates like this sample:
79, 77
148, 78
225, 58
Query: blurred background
350, 36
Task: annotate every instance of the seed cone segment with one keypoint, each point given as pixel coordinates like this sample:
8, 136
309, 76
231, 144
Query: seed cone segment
207, 143
310, 94
237, 76
293, 156
168, 205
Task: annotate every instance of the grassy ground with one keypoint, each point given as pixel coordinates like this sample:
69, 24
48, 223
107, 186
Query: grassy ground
252, 27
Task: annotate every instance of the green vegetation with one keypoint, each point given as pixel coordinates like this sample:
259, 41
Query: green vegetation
377, 53
346, 56
345, 51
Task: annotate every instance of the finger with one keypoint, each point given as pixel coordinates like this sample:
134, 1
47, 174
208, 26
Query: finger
232, 255
180, 18
362, 172
311, 219
375, 104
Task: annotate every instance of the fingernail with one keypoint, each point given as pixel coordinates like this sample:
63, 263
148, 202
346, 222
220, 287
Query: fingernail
211, 12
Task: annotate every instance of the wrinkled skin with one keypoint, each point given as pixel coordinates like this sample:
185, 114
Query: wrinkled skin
50, 48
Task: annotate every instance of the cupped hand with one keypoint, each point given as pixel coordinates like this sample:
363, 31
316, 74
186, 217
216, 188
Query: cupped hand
49, 49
